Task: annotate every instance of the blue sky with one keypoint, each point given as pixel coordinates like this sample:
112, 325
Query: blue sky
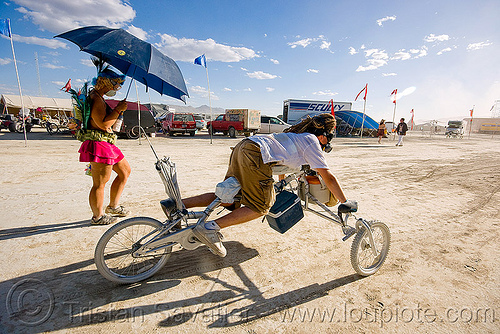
442, 56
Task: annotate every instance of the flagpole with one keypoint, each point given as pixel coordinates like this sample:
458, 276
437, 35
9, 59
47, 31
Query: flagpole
471, 113
363, 122
393, 116
333, 114
210, 103
18, 83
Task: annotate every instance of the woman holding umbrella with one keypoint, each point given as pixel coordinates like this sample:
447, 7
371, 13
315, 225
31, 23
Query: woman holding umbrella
98, 148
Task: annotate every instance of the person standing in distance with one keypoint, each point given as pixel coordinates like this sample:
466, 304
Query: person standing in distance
401, 131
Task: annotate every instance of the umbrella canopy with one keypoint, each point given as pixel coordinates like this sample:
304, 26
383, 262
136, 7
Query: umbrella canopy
133, 57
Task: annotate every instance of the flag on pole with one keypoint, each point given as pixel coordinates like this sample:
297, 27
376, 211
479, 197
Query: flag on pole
471, 112
5, 30
5, 27
394, 92
364, 89
201, 60
67, 86
412, 114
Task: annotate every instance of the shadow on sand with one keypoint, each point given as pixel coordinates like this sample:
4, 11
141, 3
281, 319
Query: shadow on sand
76, 295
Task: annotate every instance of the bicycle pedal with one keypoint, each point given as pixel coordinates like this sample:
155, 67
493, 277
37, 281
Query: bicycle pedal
349, 233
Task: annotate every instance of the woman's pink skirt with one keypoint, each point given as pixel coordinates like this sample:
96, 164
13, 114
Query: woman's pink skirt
100, 151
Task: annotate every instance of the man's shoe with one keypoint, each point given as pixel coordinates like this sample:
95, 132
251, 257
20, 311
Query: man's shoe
211, 237
119, 211
169, 207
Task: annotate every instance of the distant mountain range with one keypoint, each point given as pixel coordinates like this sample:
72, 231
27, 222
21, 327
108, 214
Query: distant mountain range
160, 109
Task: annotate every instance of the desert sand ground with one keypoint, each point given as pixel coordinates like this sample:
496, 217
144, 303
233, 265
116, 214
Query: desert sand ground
440, 197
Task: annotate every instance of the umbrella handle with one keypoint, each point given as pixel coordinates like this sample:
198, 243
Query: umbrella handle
128, 90
131, 79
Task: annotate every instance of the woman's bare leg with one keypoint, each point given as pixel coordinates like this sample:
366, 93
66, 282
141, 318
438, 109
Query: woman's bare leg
122, 169
101, 174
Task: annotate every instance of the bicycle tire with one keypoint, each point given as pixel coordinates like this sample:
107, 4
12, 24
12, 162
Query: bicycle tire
113, 253
52, 128
364, 262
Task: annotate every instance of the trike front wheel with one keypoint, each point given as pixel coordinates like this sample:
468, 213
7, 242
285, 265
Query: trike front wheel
114, 257
363, 259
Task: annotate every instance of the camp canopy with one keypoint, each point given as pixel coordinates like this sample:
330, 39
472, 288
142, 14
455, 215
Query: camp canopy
47, 104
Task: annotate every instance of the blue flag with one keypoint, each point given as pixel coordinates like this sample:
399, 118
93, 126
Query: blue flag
201, 60
5, 27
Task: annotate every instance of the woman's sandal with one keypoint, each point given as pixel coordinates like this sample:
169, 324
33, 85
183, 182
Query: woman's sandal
119, 211
103, 220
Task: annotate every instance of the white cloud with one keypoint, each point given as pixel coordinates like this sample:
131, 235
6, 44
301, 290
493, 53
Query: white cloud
433, 38
387, 18
261, 75
311, 70
243, 69
375, 58
58, 15
405, 92
443, 51
478, 46
419, 53
376, 54
203, 92
305, 42
87, 62
401, 55
225, 89
5, 61
53, 67
247, 89
270, 89
324, 93
187, 49
389, 74
325, 45
137, 32
274, 61
47, 42
59, 83
352, 51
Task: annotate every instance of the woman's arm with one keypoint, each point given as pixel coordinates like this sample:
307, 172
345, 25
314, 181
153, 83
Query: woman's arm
332, 183
98, 113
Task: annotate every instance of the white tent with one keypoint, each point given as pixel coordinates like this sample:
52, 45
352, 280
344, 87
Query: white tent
48, 104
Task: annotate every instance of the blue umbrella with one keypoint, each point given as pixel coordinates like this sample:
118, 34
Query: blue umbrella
133, 57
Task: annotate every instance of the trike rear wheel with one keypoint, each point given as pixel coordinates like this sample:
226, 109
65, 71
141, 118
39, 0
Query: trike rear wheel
363, 259
114, 252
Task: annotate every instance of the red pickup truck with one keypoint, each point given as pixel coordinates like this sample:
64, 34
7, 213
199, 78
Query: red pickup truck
236, 121
179, 123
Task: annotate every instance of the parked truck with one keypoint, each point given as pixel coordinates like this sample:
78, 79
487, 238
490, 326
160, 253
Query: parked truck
294, 110
455, 129
236, 122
